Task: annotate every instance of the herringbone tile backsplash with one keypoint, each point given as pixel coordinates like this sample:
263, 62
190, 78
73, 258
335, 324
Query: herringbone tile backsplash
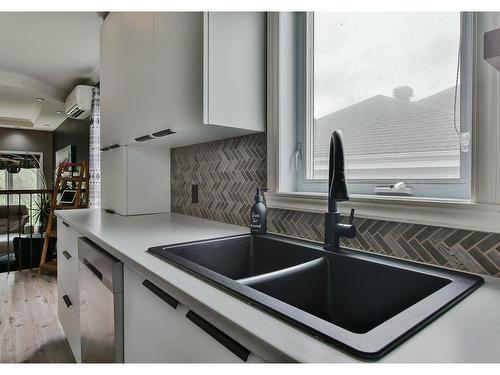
228, 172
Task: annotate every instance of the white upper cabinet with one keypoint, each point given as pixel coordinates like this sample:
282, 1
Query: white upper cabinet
201, 75
126, 76
178, 69
234, 69
135, 179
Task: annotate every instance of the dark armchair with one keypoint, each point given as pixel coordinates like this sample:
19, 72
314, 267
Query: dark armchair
14, 217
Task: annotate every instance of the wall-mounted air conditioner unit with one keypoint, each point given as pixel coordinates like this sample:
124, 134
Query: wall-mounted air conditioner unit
78, 103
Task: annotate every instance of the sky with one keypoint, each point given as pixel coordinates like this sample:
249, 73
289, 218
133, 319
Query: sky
358, 55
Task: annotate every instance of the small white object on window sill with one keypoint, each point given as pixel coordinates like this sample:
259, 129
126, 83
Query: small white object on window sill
398, 188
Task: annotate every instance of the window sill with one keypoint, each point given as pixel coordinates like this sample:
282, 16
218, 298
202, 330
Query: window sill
436, 212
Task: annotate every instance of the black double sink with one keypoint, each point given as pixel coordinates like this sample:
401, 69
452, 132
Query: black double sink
362, 303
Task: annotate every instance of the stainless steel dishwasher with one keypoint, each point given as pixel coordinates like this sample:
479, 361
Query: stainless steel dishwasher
101, 304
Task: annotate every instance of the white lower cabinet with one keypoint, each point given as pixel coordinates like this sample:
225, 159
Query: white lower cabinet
67, 285
157, 328
70, 321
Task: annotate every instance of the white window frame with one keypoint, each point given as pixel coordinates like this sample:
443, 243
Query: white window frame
481, 213
436, 188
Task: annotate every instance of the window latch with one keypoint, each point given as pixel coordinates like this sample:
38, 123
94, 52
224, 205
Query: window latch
464, 141
298, 156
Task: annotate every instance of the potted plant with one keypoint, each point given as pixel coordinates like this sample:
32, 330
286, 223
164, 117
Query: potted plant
43, 211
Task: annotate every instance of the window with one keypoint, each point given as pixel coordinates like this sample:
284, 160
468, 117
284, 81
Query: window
28, 177
3, 186
388, 81
3, 180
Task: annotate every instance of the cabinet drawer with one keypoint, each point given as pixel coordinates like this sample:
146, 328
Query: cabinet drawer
67, 261
163, 333
67, 275
70, 321
67, 238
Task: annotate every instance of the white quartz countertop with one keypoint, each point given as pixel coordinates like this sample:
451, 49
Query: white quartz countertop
469, 332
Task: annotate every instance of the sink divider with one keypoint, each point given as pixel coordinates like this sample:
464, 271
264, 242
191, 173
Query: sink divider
249, 281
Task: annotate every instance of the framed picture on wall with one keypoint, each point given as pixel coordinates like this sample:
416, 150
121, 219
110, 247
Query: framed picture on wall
63, 155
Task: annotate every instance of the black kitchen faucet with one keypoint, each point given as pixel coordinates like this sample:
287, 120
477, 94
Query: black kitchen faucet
337, 192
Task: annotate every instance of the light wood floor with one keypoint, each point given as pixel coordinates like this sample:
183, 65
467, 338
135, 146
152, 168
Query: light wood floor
29, 327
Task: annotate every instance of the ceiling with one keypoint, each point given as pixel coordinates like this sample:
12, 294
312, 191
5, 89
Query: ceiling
44, 55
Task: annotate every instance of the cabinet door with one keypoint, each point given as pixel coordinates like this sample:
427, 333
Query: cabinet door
156, 328
134, 181
114, 180
148, 179
67, 261
235, 69
67, 285
178, 47
127, 76
70, 321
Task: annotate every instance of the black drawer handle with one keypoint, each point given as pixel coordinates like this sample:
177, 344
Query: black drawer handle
237, 349
65, 224
67, 301
160, 293
92, 268
66, 254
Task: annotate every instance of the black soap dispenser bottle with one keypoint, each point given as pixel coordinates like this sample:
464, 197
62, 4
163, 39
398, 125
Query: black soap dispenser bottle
258, 213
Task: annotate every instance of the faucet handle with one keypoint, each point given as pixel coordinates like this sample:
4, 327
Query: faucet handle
351, 216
